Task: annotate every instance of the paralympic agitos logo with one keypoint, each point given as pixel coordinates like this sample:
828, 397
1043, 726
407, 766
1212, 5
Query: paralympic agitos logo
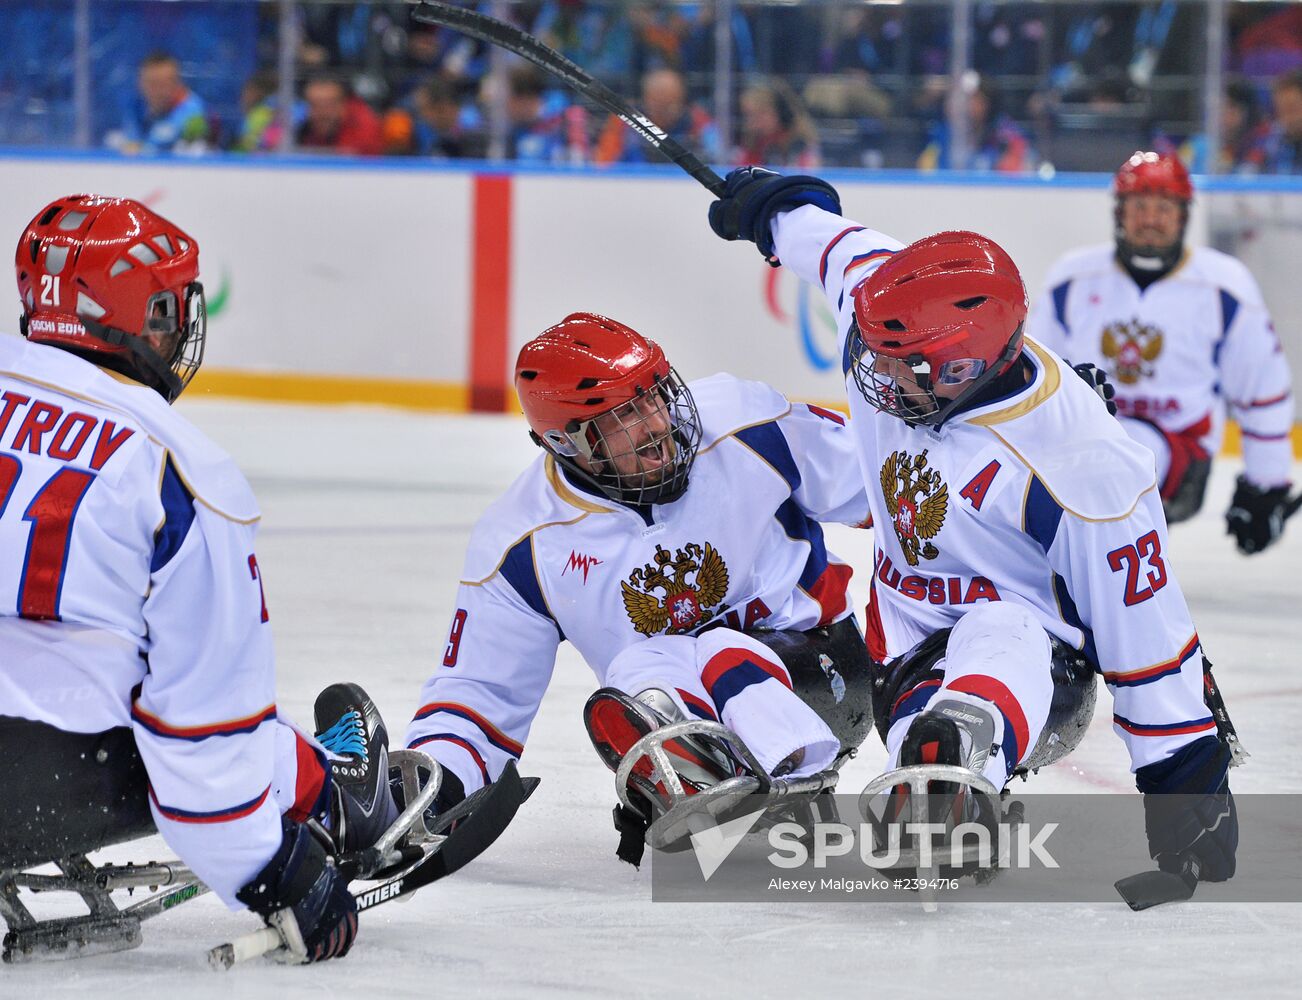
808, 313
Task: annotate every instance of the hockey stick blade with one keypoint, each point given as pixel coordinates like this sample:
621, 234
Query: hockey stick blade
1148, 889
509, 37
1291, 507
480, 819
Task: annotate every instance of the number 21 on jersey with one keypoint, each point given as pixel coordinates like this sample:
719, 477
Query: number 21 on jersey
50, 513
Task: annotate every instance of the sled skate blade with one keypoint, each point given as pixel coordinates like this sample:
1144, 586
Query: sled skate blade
736, 797
106, 928
929, 860
76, 937
652, 758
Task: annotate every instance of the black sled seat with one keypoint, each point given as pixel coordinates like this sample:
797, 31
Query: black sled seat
71, 793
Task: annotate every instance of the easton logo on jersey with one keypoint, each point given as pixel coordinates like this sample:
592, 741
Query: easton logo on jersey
917, 499
1130, 346
676, 593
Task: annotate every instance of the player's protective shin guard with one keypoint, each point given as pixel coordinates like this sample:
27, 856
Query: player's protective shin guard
362, 807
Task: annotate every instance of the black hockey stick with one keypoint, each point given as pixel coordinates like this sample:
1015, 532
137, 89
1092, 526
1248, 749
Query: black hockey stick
1292, 506
474, 824
1155, 888
508, 36
1224, 727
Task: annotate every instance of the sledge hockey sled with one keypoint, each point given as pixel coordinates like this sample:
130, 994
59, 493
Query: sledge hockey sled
108, 927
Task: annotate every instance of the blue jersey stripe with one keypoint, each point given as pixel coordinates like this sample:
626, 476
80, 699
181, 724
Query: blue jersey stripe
1071, 615
800, 527
1041, 515
178, 515
1059, 296
768, 441
1229, 309
518, 570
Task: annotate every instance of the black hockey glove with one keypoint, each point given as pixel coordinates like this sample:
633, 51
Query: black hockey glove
1097, 379
752, 196
1189, 813
302, 894
1256, 517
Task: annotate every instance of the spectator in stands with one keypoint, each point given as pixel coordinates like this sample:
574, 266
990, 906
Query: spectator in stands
1280, 149
671, 34
994, 141
337, 120
260, 130
442, 128
1242, 133
166, 116
664, 101
1269, 41
776, 130
594, 36
539, 133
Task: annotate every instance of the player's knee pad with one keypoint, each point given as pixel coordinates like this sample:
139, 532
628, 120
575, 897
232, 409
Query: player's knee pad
831, 673
1075, 689
100, 797
1002, 621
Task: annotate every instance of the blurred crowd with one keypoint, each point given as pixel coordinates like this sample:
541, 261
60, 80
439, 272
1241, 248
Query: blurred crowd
1073, 85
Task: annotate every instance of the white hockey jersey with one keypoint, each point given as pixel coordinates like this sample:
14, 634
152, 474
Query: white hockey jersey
1183, 351
131, 596
550, 561
1038, 498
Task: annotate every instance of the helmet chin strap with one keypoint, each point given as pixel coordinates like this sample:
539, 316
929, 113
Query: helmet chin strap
1150, 260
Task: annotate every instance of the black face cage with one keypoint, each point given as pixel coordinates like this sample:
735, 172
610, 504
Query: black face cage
917, 405
188, 356
170, 368
1165, 258
657, 433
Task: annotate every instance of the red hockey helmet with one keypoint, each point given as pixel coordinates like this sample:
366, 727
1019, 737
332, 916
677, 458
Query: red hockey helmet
1153, 173
944, 311
111, 279
604, 400
1161, 175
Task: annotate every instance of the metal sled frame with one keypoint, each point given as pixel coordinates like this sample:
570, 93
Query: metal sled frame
108, 928
689, 812
917, 777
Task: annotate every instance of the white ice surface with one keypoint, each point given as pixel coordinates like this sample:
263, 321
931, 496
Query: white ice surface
366, 514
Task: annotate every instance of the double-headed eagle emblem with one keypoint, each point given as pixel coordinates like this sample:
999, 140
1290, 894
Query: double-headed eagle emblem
676, 593
917, 499
1130, 347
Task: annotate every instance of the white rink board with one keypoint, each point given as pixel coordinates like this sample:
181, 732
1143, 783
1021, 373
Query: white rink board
365, 271
350, 272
